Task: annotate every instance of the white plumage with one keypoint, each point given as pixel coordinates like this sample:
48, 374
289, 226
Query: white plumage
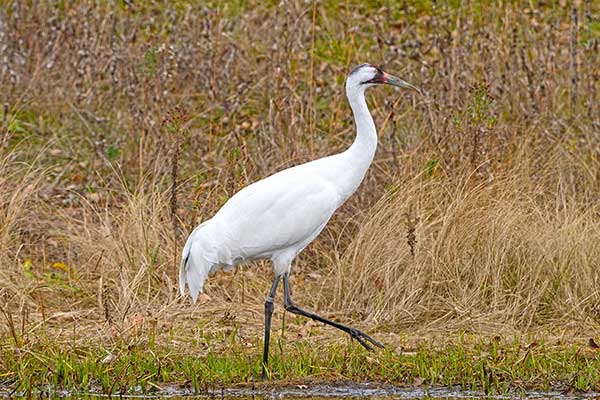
277, 217
274, 218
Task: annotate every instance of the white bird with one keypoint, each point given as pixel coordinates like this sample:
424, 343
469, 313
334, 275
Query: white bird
277, 217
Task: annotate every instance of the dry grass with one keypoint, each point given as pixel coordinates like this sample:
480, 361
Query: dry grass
480, 211
19, 188
490, 254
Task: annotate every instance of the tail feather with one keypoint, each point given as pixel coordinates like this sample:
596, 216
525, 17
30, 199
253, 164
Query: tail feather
193, 269
185, 256
196, 275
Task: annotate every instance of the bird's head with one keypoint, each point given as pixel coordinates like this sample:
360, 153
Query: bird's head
367, 75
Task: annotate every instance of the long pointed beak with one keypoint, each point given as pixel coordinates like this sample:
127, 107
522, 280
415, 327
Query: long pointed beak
393, 80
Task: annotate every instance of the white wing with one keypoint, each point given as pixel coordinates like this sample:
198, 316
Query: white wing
279, 212
273, 218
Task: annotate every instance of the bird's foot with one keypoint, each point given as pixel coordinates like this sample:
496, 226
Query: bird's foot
363, 338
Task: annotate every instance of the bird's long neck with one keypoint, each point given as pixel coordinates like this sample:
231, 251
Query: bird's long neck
365, 143
355, 161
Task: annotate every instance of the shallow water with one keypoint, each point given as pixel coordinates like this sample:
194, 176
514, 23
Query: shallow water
320, 392
381, 391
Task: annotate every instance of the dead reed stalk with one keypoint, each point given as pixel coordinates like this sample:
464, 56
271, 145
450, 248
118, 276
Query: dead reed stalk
175, 125
573, 46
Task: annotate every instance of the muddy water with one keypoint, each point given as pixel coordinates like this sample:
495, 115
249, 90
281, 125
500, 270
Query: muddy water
378, 391
319, 392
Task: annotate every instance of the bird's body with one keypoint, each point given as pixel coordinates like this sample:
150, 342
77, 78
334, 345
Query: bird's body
277, 217
254, 223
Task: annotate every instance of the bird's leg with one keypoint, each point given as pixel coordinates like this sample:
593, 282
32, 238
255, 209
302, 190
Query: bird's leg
289, 305
268, 313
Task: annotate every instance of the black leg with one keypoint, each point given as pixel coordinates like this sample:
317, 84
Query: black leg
268, 313
289, 305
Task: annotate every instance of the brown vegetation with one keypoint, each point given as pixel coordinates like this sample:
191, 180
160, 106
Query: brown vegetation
480, 211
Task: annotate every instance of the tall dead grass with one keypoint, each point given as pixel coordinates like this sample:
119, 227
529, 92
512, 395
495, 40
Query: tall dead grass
20, 184
123, 255
519, 249
480, 209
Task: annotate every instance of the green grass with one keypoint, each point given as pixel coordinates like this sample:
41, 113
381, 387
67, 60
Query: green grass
477, 363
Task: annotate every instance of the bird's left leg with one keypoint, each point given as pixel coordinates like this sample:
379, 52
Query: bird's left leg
360, 336
268, 313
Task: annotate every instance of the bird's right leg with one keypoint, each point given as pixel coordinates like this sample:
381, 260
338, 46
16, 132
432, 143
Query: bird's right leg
360, 336
268, 313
